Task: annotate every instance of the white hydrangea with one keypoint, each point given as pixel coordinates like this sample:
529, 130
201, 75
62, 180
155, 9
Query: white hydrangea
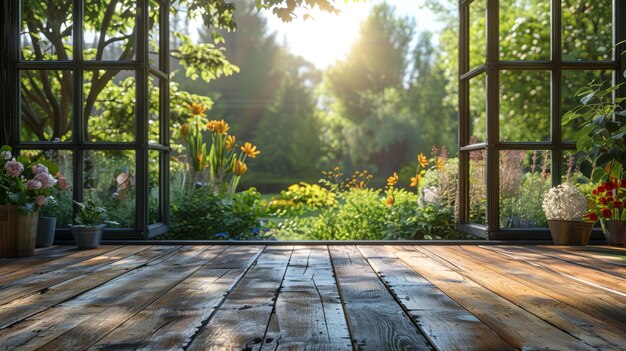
565, 202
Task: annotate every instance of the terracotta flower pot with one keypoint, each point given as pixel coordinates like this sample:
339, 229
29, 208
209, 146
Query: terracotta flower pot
570, 232
18, 232
615, 232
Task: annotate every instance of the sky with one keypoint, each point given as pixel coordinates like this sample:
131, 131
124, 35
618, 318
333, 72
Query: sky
328, 37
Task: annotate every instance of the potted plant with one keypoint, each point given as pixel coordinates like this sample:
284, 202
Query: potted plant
90, 222
25, 186
608, 208
564, 206
47, 215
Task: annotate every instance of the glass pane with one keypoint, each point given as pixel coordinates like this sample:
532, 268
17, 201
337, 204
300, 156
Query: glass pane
61, 207
571, 82
110, 105
478, 109
524, 179
154, 33
478, 33
524, 30
587, 29
109, 180
154, 195
478, 187
154, 110
524, 105
109, 30
46, 105
46, 30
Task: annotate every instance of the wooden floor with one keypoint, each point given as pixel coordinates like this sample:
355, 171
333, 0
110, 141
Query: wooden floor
315, 297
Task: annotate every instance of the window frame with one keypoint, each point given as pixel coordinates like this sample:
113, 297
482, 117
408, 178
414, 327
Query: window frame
143, 71
492, 67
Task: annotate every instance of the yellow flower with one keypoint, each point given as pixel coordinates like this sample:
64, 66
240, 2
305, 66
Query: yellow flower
199, 156
230, 142
184, 130
415, 181
440, 164
389, 201
250, 150
239, 168
393, 180
423, 161
219, 127
196, 109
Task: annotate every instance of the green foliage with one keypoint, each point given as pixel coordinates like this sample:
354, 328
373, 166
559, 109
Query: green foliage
206, 216
600, 141
90, 214
301, 198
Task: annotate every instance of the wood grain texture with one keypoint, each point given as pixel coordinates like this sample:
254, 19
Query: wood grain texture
592, 331
603, 254
41, 258
377, 321
24, 275
22, 308
241, 321
514, 325
578, 259
447, 325
591, 300
593, 277
308, 309
170, 321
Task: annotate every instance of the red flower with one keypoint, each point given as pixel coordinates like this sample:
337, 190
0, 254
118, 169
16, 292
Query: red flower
606, 213
623, 183
601, 189
609, 199
594, 192
609, 186
602, 200
618, 204
592, 216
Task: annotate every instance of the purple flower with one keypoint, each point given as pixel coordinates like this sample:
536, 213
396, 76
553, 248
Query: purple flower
33, 184
6, 155
39, 168
41, 200
13, 168
47, 181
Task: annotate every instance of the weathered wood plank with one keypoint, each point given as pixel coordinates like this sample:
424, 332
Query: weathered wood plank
241, 321
377, 321
588, 299
40, 283
170, 321
120, 299
22, 308
592, 331
514, 325
589, 276
19, 271
82, 318
574, 258
605, 254
35, 331
308, 309
447, 325
41, 257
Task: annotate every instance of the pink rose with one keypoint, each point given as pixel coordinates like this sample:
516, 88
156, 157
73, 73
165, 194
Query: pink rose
13, 168
39, 168
62, 181
33, 184
47, 181
40, 200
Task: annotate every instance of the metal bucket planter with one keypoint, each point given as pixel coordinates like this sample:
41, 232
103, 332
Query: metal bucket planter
17, 232
570, 232
88, 237
615, 232
45, 231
